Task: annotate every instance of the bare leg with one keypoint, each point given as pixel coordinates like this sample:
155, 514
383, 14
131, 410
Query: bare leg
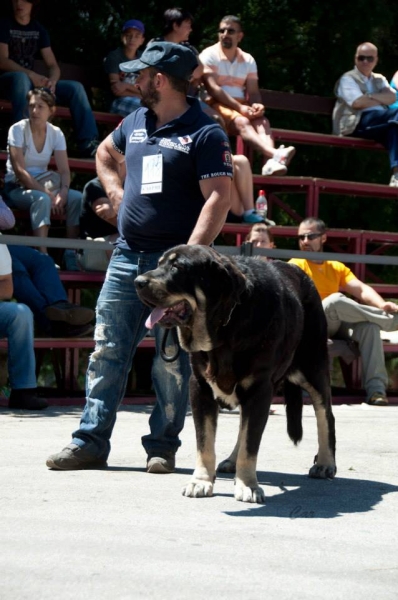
242, 186
256, 133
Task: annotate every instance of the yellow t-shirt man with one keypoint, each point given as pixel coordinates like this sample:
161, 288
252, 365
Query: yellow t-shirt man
329, 277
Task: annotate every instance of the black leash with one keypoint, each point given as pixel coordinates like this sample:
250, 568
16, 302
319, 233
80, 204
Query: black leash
163, 354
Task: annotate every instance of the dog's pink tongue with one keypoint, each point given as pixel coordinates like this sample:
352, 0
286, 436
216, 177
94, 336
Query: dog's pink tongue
154, 317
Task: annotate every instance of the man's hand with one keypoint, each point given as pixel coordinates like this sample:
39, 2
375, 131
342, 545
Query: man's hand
38, 80
258, 109
246, 111
390, 307
105, 211
58, 204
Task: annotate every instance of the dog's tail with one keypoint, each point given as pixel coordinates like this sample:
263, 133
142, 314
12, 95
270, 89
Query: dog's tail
294, 410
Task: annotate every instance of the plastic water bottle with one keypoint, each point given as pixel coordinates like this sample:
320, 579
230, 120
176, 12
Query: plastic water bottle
261, 204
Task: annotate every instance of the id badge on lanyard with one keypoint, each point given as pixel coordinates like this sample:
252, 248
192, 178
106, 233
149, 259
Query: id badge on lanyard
152, 174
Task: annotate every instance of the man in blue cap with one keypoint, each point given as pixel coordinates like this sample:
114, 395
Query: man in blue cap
126, 98
177, 190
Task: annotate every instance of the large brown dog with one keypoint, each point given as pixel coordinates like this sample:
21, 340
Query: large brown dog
248, 325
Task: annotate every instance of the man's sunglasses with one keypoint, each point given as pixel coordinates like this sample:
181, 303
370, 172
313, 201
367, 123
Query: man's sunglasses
363, 57
310, 236
229, 30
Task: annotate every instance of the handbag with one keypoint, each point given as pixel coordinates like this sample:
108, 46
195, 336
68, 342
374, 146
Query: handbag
51, 180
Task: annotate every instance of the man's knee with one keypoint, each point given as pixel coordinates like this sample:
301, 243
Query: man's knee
241, 123
21, 79
333, 300
20, 315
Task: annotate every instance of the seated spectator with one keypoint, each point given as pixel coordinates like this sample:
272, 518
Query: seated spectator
98, 218
16, 324
31, 143
22, 37
126, 96
360, 320
177, 27
261, 237
37, 284
394, 85
98, 221
362, 106
231, 81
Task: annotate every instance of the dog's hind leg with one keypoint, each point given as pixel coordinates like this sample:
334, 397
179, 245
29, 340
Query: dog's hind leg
205, 413
316, 383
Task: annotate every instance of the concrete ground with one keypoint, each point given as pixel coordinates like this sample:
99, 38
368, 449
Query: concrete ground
121, 533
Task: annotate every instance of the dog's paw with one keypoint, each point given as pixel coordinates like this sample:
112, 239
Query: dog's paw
244, 493
227, 466
323, 471
198, 489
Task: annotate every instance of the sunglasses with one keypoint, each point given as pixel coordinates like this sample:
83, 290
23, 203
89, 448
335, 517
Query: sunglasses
363, 57
310, 236
229, 30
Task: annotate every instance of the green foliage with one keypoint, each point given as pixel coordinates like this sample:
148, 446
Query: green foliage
301, 47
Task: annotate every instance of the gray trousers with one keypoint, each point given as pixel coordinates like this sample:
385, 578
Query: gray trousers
347, 319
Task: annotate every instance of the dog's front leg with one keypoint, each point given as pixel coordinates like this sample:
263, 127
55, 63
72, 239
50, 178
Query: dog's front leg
205, 413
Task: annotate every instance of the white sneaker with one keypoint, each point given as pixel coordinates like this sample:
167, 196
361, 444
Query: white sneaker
273, 167
285, 155
394, 180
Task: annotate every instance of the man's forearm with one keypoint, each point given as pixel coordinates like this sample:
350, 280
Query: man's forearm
211, 220
219, 95
108, 171
371, 297
6, 64
383, 98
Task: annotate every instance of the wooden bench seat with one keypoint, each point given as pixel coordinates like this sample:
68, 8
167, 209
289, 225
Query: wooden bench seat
77, 165
63, 112
350, 188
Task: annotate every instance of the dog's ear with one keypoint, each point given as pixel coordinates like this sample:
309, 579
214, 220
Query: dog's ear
237, 278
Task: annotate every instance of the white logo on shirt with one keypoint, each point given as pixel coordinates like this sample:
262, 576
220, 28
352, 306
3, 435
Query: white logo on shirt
138, 136
166, 143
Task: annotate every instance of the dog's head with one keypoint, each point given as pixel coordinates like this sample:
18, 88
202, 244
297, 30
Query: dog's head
195, 289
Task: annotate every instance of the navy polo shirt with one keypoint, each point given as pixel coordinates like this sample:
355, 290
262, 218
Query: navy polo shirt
161, 206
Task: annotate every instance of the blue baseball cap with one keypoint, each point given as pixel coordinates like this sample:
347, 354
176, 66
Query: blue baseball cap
134, 24
173, 59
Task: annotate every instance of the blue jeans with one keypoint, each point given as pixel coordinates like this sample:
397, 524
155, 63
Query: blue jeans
36, 281
381, 126
120, 326
16, 324
125, 105
14, 86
